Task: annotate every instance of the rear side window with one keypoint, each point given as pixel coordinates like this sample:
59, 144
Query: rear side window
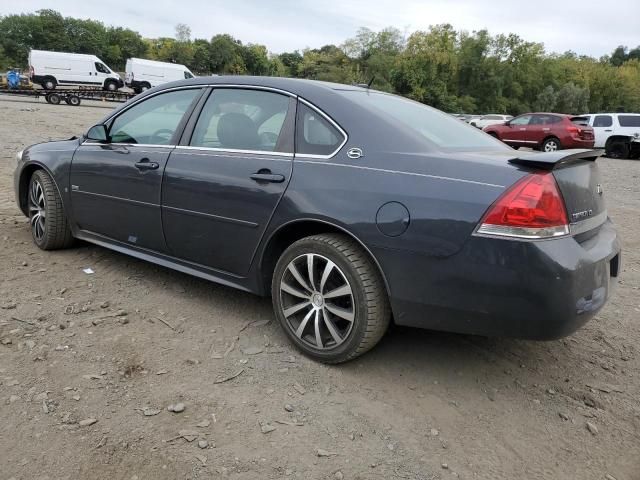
602, 121
236, 119
629, 120
315, 135
152, 121
582, 121
187, 75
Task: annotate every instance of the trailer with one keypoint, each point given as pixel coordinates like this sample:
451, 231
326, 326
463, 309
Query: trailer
71, 97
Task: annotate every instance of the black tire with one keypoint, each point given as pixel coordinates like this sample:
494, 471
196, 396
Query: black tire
368, 299
53, 98
110, 86
49, 83
551, 144
52, 231
617, 149
73, 100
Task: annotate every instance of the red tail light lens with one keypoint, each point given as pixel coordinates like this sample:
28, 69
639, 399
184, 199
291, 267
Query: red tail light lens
532, 208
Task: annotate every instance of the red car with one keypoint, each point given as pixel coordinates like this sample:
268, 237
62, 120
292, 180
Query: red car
544, 131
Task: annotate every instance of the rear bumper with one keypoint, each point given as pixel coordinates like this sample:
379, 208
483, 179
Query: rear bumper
536, 290
577, 143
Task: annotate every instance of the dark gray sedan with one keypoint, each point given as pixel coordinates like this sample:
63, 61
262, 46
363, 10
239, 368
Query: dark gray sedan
352, 208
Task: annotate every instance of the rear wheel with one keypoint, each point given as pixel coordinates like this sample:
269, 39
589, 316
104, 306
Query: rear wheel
617, 149
551, 145
49, 226
330, 298
49, 83
73, 100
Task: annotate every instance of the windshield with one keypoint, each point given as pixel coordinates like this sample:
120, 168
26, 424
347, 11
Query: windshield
442, 130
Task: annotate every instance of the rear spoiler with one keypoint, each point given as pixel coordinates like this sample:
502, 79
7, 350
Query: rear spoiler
560, 158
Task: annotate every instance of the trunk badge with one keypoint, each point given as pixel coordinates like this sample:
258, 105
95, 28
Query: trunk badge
599, 189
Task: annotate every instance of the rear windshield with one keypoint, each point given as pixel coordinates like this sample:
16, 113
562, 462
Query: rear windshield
438, 128
629, 120
584, 121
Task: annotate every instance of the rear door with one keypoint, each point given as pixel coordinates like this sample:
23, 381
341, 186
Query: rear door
225, 180
115, 186
602, 129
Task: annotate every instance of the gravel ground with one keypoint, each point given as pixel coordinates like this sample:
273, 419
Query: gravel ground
90, 363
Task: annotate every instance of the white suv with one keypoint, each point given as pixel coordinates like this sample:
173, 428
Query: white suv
493, 119
617, 133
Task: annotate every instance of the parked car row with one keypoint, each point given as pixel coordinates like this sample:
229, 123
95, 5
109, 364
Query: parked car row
617, 133
53, 69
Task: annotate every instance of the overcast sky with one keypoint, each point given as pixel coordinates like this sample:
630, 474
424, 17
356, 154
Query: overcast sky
592, 27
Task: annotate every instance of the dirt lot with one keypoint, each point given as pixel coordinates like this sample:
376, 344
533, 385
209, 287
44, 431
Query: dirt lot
122, 344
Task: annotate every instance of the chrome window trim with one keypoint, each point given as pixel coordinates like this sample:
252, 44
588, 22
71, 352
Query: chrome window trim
345, 137
234, 150
119, 144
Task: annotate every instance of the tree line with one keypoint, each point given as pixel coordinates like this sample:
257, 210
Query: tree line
456, 71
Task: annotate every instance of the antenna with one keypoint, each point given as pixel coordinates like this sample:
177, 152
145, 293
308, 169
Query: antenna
371, 81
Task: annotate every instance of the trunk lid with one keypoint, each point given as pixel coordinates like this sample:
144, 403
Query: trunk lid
579, 180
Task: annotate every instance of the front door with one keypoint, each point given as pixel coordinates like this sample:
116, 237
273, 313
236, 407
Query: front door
115, 186
224, 181
516, 131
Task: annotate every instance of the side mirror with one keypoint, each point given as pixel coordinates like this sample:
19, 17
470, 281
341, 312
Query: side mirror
98, 133
508, 123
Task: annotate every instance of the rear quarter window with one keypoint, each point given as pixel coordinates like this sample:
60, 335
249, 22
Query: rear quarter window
629, 120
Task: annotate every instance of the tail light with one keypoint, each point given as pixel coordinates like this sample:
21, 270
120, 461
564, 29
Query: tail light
532, 208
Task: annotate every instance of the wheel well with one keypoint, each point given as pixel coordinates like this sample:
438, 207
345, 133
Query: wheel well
293, 232
548, 137
617, 138
23, 185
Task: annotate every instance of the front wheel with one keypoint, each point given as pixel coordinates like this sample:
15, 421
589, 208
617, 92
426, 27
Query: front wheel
49, 226
111, 86
330, 298
551, 145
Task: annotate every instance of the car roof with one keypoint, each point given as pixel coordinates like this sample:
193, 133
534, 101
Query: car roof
296, 86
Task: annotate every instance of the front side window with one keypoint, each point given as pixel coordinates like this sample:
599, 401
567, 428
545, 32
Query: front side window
188, 74
629, 120
602, 121
100, 67
315, 135
153, 121
521, 120
236, 119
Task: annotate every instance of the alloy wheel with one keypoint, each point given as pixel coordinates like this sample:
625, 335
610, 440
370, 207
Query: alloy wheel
551, 146
317, 301
37, 210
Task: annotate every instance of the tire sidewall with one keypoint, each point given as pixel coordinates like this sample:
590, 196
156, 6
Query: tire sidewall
344, 350
617, 150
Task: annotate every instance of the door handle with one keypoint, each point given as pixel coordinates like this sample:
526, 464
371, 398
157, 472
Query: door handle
145, 164
608, 130
265, 175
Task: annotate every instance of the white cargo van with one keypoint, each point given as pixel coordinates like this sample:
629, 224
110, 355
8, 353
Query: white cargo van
52, 69
143, 74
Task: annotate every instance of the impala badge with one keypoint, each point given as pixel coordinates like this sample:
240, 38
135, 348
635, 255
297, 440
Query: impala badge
355, 153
